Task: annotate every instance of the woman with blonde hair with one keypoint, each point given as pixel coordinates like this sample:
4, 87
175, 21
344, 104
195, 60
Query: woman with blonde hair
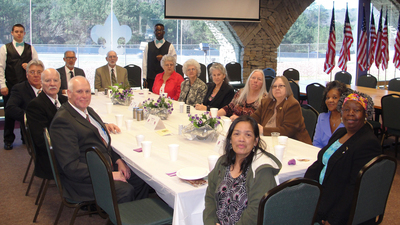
247, 100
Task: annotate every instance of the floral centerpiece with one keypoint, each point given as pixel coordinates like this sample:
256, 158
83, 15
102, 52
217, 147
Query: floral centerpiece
161, 107
202, 127
121, 94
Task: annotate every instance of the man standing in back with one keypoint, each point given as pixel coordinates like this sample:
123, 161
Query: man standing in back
69, 70
14, 58
110, 74
153, 54
40, 113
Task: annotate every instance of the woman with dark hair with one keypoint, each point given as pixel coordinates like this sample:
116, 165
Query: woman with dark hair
339, 162
281, 112
219, 92
329, 121
240, 177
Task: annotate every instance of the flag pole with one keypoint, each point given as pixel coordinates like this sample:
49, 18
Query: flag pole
385, 80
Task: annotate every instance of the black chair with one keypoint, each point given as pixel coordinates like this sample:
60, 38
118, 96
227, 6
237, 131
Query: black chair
268, 82
269, 72
203, 73
367, 81
234, 71
295, 89
134, 75
292, 73
64, 201
310, 116
208, 70
372, 190
390, 117
315, 93
292, 202
144, 211
29, 149
343, 77
394, 84
178, 69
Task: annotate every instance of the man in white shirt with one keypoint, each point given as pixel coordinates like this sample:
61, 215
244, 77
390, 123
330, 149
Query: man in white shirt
153, 53
110, 74
14, 58
69, 70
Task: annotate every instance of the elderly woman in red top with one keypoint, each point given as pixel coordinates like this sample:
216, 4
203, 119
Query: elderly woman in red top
168, 82
247, 100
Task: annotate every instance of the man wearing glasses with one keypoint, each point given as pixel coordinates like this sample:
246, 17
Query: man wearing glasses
23, 93
110, 74
14, 58
153, 53
69, 70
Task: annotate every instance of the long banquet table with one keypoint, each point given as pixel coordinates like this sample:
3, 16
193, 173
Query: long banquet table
186, 200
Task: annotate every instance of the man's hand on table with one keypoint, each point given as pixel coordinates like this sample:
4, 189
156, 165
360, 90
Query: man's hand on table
112, 128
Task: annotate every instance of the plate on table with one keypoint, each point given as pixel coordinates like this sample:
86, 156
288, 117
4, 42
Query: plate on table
192, 173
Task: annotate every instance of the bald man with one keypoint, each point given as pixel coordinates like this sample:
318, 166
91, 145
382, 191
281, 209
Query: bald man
77, 127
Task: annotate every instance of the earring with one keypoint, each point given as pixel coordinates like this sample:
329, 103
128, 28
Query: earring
254, 149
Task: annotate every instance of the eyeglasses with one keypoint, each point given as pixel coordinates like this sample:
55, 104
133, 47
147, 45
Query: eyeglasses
32, 72
70, 58
278, 86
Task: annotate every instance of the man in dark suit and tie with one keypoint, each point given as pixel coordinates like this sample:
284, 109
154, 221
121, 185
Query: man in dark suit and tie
40, 113
77, 127
23, 93
69, 70
110, 74
14, 58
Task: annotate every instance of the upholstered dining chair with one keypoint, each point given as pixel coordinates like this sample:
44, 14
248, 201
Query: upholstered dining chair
315, 93
310, 116
367, 81
343, 77
134, 75
144, 211
390, 117
292, 202
372, 190
292, 74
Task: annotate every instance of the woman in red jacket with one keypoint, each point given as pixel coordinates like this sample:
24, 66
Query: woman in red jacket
169, 81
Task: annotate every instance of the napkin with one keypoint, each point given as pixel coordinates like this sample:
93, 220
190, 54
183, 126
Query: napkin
138, 150
292, 162
173, 174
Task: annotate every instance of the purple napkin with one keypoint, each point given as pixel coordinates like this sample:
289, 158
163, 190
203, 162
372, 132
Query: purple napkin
138, 150
292, 162
171, 174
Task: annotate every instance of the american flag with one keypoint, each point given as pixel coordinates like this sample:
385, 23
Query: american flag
378, 49
385, 45
331, 51
372, 42
362, 45
344, 56
396, 58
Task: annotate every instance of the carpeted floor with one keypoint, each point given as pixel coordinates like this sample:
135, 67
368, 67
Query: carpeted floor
16, 208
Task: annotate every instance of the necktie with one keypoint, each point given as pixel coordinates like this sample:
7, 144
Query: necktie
56, 104
71, 74
104, 141
113, 78
19, 44
159, 41
38, 91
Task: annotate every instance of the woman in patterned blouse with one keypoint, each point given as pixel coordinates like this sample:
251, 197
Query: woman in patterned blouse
193, 90
240, 177
247, 100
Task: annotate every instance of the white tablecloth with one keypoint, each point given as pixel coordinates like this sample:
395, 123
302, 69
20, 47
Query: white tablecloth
187, 201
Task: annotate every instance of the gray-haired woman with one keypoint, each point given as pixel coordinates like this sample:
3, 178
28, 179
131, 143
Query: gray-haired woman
169, 81
193, 89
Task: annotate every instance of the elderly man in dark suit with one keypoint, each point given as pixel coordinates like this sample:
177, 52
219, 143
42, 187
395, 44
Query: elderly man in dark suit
40, 113
77, 127
23, 93
110, 74
69, 70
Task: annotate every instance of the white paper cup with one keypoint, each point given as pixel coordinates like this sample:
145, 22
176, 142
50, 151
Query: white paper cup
181, 107
279, 151
119, 118
109, 107
145, 92
128, 124
173, 152
227, 124
214, 112
146, 148
139, 139
212, 160
282, 140
96, 92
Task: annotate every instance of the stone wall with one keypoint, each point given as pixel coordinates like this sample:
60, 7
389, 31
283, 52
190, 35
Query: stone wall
255, 44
